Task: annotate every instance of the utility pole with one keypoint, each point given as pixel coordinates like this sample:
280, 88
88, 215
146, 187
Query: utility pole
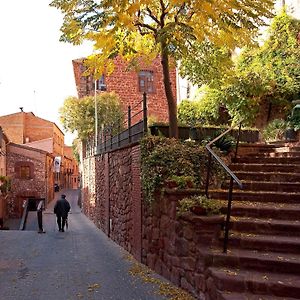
96, 117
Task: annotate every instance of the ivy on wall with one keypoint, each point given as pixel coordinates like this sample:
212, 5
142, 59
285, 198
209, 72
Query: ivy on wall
5, 185
164, 159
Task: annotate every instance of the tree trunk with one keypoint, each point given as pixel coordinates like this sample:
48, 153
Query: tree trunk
172, 104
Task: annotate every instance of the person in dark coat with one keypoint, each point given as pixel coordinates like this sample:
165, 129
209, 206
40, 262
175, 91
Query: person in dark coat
61, 209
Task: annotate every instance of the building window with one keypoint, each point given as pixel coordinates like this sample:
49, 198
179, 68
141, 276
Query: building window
24, 170
146, 81
100, 84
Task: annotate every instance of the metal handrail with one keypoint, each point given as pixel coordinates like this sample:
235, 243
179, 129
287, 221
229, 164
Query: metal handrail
233, 177
111, 135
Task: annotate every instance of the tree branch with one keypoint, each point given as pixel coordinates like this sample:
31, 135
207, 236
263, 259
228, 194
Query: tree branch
163, 13
152, 16
139, 24
179, 10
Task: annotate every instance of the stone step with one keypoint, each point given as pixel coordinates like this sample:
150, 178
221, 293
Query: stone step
257, 196
263, 167
278, 186
278, 211
273, 243
269, 160
266, 226
255, 260
234, 283
275, 154
268, 176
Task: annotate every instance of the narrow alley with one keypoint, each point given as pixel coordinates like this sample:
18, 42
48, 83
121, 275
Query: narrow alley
81, 263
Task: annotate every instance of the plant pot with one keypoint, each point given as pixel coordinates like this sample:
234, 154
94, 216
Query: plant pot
198, 210
171, 184
189, 184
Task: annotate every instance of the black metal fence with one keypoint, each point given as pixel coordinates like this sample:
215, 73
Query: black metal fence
129, 129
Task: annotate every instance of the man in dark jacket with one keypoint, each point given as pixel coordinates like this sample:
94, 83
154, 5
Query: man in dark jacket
61, 209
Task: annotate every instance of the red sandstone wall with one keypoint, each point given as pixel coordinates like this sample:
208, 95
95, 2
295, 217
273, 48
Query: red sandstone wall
116, 205
174, 247
88, 188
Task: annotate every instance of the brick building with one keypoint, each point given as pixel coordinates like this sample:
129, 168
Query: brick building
26, 128
129, 85
31, 173
71, 171
3, 150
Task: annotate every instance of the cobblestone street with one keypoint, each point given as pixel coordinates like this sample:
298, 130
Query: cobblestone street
81, 263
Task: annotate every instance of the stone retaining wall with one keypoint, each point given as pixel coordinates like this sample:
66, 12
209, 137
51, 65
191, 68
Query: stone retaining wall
173, 247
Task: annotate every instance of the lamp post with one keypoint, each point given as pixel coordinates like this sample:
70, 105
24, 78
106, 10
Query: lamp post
96, 117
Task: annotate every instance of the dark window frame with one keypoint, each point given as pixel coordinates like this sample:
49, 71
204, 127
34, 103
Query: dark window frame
21, 165
147, 77
101, 83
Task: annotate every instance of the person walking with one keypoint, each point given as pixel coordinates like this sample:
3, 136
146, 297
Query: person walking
61, 209
39, 209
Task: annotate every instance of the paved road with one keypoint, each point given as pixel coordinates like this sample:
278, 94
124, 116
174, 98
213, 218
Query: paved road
81, 263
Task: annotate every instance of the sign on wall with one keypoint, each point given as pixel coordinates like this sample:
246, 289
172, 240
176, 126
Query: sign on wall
57, 163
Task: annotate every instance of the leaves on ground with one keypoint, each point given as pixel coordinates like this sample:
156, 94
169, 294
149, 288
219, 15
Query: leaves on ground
93, 287
166, 289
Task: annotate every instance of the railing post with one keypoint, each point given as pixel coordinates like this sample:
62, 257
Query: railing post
145, 117
111, 136
237, 142
129, 124
227, 222
119, 132
104, 136
208, 174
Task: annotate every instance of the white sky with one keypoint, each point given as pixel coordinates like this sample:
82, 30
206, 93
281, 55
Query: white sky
35, 68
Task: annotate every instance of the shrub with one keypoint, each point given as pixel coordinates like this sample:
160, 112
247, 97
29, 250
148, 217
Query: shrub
274, 131
164, 158
5, 184
210, 206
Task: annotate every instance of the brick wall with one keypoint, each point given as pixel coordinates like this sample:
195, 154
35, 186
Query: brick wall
13, 127
125, 84
174, 247
111, 196
88, 188
36, 129
40, 185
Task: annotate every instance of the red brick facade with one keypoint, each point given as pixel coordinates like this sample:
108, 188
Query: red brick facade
125, 84
37, 183
70, 170
25, 127
3, 151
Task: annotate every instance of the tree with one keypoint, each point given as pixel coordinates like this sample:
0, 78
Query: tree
209, 65
79, 114
265, 75
135, 29
268, 73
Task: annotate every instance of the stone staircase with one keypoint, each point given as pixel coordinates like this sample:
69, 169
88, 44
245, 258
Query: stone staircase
263, 259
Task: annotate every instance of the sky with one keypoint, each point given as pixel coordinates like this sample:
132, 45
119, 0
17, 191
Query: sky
36, 70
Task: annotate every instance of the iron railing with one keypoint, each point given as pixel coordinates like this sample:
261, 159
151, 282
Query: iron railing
233, 178
129, 129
